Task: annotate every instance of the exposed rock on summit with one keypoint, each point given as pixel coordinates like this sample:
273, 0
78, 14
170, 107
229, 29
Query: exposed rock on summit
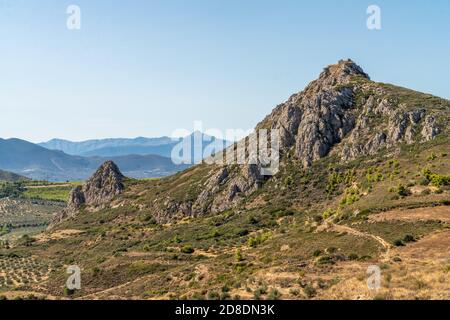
102, 187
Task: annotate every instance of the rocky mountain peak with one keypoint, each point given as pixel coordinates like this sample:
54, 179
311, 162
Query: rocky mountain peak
342, 72
344, 110
342, 114
106, 183
102, 187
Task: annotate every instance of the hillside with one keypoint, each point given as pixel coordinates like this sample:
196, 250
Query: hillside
39, 163
364, 180
11, 177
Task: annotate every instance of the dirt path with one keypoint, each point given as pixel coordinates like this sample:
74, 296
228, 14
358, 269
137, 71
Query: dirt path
330, 226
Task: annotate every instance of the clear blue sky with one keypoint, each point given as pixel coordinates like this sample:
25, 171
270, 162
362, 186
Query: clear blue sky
146, 68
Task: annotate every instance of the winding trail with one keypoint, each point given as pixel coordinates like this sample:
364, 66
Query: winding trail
330, 226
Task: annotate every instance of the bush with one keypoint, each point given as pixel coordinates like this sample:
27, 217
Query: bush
353, 256
325, 260
239, 257
402, 191
242, 232
351, 196
317, 218
398, 243
331, 250
409, 238
261, 291
253, 220
68, 292
436, 180
328, 213
274, 294
257, 295
187, 249
317, 253
294, 292
309, 291
213, 295
424, 181
259, 239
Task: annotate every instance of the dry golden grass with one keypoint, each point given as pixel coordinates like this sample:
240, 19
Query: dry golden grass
432, 213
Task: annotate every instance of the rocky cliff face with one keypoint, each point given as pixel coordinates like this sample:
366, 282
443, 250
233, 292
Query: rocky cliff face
343, 107
100, 189
319, 117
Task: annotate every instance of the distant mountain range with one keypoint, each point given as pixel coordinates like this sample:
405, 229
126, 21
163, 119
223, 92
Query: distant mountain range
106, 147
161, 146
36, 162
61, 160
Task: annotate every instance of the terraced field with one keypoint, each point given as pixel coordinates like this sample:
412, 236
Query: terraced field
23, 216
22, 273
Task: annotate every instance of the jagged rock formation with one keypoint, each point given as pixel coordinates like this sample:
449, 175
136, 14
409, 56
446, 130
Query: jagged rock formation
343, 105
319, 117
102, 187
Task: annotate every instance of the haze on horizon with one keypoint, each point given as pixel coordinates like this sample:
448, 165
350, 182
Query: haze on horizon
147, 68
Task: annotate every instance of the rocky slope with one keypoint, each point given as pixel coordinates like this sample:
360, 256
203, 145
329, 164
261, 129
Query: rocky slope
343, 107
100, 189
342, 113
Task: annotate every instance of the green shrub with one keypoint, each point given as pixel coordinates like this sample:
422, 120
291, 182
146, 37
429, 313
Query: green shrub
242, 232
68, 292
317, 253
294, 292
239, 257
325, 260
328, 213
353, 256
274, 294
409, 238
402, 191
213, 295
187, 249
309, 291
436, 180
259, 239
350, 197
